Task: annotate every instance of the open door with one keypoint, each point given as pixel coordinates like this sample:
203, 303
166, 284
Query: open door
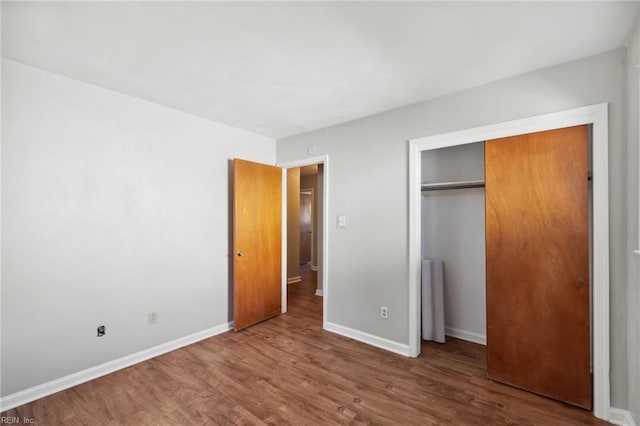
306, 206
537, 229
257, 242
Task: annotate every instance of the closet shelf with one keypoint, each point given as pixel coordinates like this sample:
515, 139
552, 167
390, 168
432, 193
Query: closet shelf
441, 186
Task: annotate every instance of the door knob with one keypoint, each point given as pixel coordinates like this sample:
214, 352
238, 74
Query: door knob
240, 253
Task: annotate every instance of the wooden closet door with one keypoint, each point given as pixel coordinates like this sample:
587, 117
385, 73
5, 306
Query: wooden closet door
537, 254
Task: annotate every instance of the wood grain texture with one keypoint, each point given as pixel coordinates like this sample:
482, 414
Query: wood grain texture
537, 254
305, 228
257, 234
288, 371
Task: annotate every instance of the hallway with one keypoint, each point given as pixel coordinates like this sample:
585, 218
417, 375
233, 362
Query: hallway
301, 299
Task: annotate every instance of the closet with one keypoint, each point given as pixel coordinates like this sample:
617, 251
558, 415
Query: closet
453, 231
509, 218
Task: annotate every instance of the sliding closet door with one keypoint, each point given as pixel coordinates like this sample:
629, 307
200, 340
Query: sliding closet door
537, 238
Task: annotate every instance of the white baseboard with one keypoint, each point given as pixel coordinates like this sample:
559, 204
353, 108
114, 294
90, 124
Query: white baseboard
314, 267
319, 292
618, 416
62, 383
294, 280
469, 336
370, 339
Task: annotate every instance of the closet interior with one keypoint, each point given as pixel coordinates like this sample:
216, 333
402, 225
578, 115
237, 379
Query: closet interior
512, 232
453, 232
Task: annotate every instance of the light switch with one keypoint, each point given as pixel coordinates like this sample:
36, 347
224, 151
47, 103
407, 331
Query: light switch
341, 221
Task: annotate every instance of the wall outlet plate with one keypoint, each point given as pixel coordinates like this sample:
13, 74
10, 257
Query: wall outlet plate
384, 312
153, 317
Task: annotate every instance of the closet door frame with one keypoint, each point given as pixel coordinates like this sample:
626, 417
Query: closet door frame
595, 115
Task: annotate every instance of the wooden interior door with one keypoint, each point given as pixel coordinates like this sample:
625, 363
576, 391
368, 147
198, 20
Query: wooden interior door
257, 242
305, 227
537, 254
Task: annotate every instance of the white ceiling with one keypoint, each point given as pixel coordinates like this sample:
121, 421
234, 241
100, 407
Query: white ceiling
279, 69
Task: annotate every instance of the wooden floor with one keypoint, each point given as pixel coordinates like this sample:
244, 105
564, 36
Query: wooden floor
289, 371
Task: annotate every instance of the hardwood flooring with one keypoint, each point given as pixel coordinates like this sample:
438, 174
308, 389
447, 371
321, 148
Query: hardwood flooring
289, 371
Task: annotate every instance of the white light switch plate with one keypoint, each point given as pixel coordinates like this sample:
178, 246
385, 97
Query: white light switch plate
341, 221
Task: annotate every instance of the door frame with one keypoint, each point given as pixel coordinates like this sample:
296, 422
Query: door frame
324, 160
597, 116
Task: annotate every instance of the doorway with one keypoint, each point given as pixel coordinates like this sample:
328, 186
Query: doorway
596, 116
313, 173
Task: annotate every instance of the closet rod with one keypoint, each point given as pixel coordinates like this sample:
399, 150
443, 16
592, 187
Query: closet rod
441, 186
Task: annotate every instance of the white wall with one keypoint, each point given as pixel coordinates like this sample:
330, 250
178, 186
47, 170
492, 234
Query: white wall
112, 207
369, 181
633, 158
453, 230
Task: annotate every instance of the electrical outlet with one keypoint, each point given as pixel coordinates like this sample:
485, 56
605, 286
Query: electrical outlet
384, 312
102, 330
153, 317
